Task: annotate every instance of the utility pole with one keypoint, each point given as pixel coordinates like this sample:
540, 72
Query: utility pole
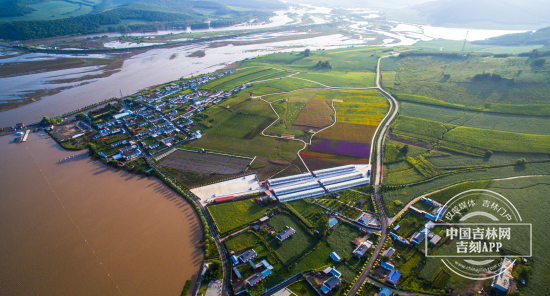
464, 44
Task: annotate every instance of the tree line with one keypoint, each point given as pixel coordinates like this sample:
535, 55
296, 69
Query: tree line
89, 24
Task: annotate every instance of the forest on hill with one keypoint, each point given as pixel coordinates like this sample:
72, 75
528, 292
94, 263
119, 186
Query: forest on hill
140, 15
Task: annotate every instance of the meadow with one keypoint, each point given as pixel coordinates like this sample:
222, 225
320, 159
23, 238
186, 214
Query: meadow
228, 216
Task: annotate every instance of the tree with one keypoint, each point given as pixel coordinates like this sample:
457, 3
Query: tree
404, 149
488, 153
307, 52
80, 116
521, 162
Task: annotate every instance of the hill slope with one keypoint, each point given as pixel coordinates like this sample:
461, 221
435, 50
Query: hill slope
140, 15
493, 14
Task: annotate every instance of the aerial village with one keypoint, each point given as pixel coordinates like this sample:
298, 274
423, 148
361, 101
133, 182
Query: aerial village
315, 230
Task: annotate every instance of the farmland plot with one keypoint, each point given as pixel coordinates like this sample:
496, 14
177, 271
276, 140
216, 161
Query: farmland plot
228, 216
205, 163
317, 113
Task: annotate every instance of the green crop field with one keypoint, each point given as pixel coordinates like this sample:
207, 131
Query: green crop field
474, 141
408, 193
485, 120
341, 239
452, 80
308, 210
320, 257
336, 78
214, 84
302, 288
361, 107
317, 113
242, 241
248, 78
529, 196
401, 173
247, 122
231, 215
361, 133
284, 84
291, 249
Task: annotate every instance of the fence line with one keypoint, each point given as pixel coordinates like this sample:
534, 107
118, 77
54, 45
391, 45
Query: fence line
82, 155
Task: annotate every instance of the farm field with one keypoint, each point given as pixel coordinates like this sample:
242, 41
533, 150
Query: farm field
205, 163
294, 247
53, 10
302, 288
408, 193
246, 122
468, 140
452, 80
317, 113
337, 78
308, 210
242, 241
228, 216
360, 133
357, 115
318, 160
529, 196
485, 120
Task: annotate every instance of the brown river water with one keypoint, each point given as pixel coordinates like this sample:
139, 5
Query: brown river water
81, 228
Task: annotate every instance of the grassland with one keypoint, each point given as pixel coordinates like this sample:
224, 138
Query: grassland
232, 215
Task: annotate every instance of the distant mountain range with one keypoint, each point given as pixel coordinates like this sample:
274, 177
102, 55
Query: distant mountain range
539, 37
32, 19
490, 14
